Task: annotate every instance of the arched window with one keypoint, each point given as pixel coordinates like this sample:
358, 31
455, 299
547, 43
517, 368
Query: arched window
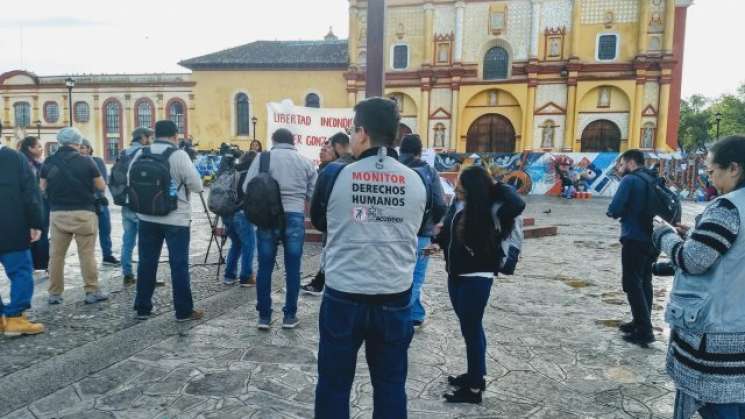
496, 64
177, 114
82, 112
312, 101
242, 110
144, 113
22, 112
112, 113
51, 112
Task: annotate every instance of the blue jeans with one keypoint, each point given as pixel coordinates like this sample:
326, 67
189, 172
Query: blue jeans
129, 239
723, 411
243, 241
469, 297
104, 231
267, 240
19, 268
420, 275
345, 322
151, 236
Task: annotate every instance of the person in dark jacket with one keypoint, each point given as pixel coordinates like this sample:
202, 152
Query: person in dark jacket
637, 254
411, 153
480, 218
32, 149
21, 222
242, 234
104, 215
337, 150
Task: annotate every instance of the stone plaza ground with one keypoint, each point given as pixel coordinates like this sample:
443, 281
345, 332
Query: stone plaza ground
553, 347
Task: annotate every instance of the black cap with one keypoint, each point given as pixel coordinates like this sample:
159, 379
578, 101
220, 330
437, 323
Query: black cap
165, 129
138, 133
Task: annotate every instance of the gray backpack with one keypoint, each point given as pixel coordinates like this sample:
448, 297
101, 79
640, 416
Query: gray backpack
223, 199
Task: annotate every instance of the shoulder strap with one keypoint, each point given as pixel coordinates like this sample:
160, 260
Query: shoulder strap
427, 185
264, 162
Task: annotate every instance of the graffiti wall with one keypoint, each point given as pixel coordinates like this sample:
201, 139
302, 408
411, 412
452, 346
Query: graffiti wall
549, 173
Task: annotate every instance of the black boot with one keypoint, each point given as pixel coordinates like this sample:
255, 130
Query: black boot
464, 395
640, 338
627, 328
461, 381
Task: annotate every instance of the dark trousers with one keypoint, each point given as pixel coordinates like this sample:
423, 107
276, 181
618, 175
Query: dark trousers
386, 329
104, 231
469, 296
40, 248
151, 237
637, 258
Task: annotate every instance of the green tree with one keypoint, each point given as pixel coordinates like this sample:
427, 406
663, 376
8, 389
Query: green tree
693, 132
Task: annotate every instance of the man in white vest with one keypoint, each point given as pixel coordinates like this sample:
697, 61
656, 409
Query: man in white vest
371, 211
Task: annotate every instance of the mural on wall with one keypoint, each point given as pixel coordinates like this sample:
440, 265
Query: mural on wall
547, 173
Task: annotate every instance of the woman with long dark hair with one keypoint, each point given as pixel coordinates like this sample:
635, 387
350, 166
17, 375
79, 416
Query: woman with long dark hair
33, 150
255, 146
705, 310
481, 217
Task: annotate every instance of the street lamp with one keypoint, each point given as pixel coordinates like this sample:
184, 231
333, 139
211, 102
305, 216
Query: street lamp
70, 83
38, 129
718, 117
254, 120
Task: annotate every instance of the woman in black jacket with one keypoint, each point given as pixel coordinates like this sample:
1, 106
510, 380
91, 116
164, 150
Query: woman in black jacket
471, 236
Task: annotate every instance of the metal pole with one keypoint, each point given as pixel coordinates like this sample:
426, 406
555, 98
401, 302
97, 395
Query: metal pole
69, 102
375, 78
254, 124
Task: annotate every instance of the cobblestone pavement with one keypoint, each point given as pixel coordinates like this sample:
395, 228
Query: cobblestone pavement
553, 347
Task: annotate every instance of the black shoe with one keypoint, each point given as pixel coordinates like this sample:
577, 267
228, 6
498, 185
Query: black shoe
129, 279
111, 261
417, 324
160, 283
461, 381
464, 395
640, 339
312, 289
627, 328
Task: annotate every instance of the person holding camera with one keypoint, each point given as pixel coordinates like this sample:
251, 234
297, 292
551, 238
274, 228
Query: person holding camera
102, 208
705, 310
70, 181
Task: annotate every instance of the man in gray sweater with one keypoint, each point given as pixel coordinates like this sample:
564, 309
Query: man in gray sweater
296, 177
173, 228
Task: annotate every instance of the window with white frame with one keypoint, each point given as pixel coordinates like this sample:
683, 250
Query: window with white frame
51, 112
145, 114
82, 112
22, 112
400, 57
176, 113
607, 48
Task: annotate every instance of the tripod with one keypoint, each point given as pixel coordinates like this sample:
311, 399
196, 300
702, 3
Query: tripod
218, 236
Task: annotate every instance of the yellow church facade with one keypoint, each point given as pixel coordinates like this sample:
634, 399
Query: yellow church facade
468, 75
474, 75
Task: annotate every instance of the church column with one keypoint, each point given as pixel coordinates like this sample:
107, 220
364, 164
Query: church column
576, 23
643, 26
351, 97
526, 142
96, 116
669, 25
663, 113
460, 13
65, 112
636, 116
429, 30
423, 122
455, 118
570, 143
353, 33
35, 115
6, 111
535, 31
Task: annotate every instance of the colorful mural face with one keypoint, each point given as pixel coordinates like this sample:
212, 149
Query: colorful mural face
550, 173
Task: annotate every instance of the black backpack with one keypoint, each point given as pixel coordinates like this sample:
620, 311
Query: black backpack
151, 190
262, 201
118, 179
661, 201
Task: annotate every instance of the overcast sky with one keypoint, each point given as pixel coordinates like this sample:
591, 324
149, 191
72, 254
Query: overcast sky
51, 37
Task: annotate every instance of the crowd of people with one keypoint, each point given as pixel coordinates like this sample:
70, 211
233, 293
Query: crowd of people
383, 213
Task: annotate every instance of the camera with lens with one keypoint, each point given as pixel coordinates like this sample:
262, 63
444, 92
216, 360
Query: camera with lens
665, 268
